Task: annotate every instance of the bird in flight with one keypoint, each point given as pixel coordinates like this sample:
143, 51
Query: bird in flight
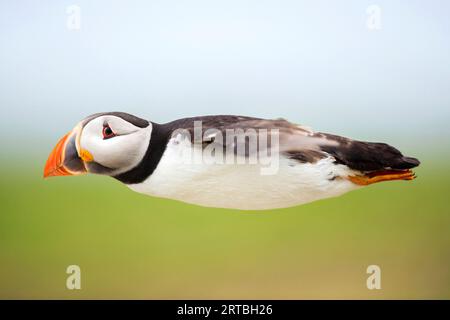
225, 161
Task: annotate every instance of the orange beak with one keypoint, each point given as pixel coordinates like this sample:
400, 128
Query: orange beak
64, 160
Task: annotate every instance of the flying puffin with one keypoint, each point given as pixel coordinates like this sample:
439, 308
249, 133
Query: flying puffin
281, 164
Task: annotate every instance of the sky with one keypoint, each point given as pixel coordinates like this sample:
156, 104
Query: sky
312, 62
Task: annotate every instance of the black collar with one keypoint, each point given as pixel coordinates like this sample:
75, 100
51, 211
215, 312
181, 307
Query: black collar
157, 145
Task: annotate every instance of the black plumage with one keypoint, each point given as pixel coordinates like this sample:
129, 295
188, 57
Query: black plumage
367, 156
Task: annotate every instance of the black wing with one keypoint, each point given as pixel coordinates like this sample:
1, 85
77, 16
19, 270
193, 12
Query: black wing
367, 156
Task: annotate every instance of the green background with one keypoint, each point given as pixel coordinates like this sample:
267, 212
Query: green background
134, 246
315, 63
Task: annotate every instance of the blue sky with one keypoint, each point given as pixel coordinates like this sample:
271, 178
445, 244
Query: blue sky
312, 62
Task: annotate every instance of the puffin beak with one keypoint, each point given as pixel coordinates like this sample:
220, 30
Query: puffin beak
64, 159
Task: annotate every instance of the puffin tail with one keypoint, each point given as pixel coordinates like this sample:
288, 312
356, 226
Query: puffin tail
406, 163
373, 161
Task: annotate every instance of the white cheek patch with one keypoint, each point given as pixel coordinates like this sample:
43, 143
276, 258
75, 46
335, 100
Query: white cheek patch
120, 153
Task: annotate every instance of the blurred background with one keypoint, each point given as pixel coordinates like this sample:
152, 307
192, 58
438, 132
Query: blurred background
373, 71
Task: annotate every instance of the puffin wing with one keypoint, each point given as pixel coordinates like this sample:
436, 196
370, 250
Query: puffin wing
372, 161
367, 156
294, 141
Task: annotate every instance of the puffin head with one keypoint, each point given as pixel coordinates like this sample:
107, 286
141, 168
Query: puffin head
104, 143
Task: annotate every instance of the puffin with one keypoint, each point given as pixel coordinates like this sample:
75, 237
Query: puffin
225, 161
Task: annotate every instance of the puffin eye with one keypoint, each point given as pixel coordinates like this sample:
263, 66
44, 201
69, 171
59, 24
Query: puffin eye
107, 132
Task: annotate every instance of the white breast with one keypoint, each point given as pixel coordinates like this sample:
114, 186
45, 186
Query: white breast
242, 186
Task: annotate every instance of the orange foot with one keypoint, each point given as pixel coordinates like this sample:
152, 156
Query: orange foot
379, 176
